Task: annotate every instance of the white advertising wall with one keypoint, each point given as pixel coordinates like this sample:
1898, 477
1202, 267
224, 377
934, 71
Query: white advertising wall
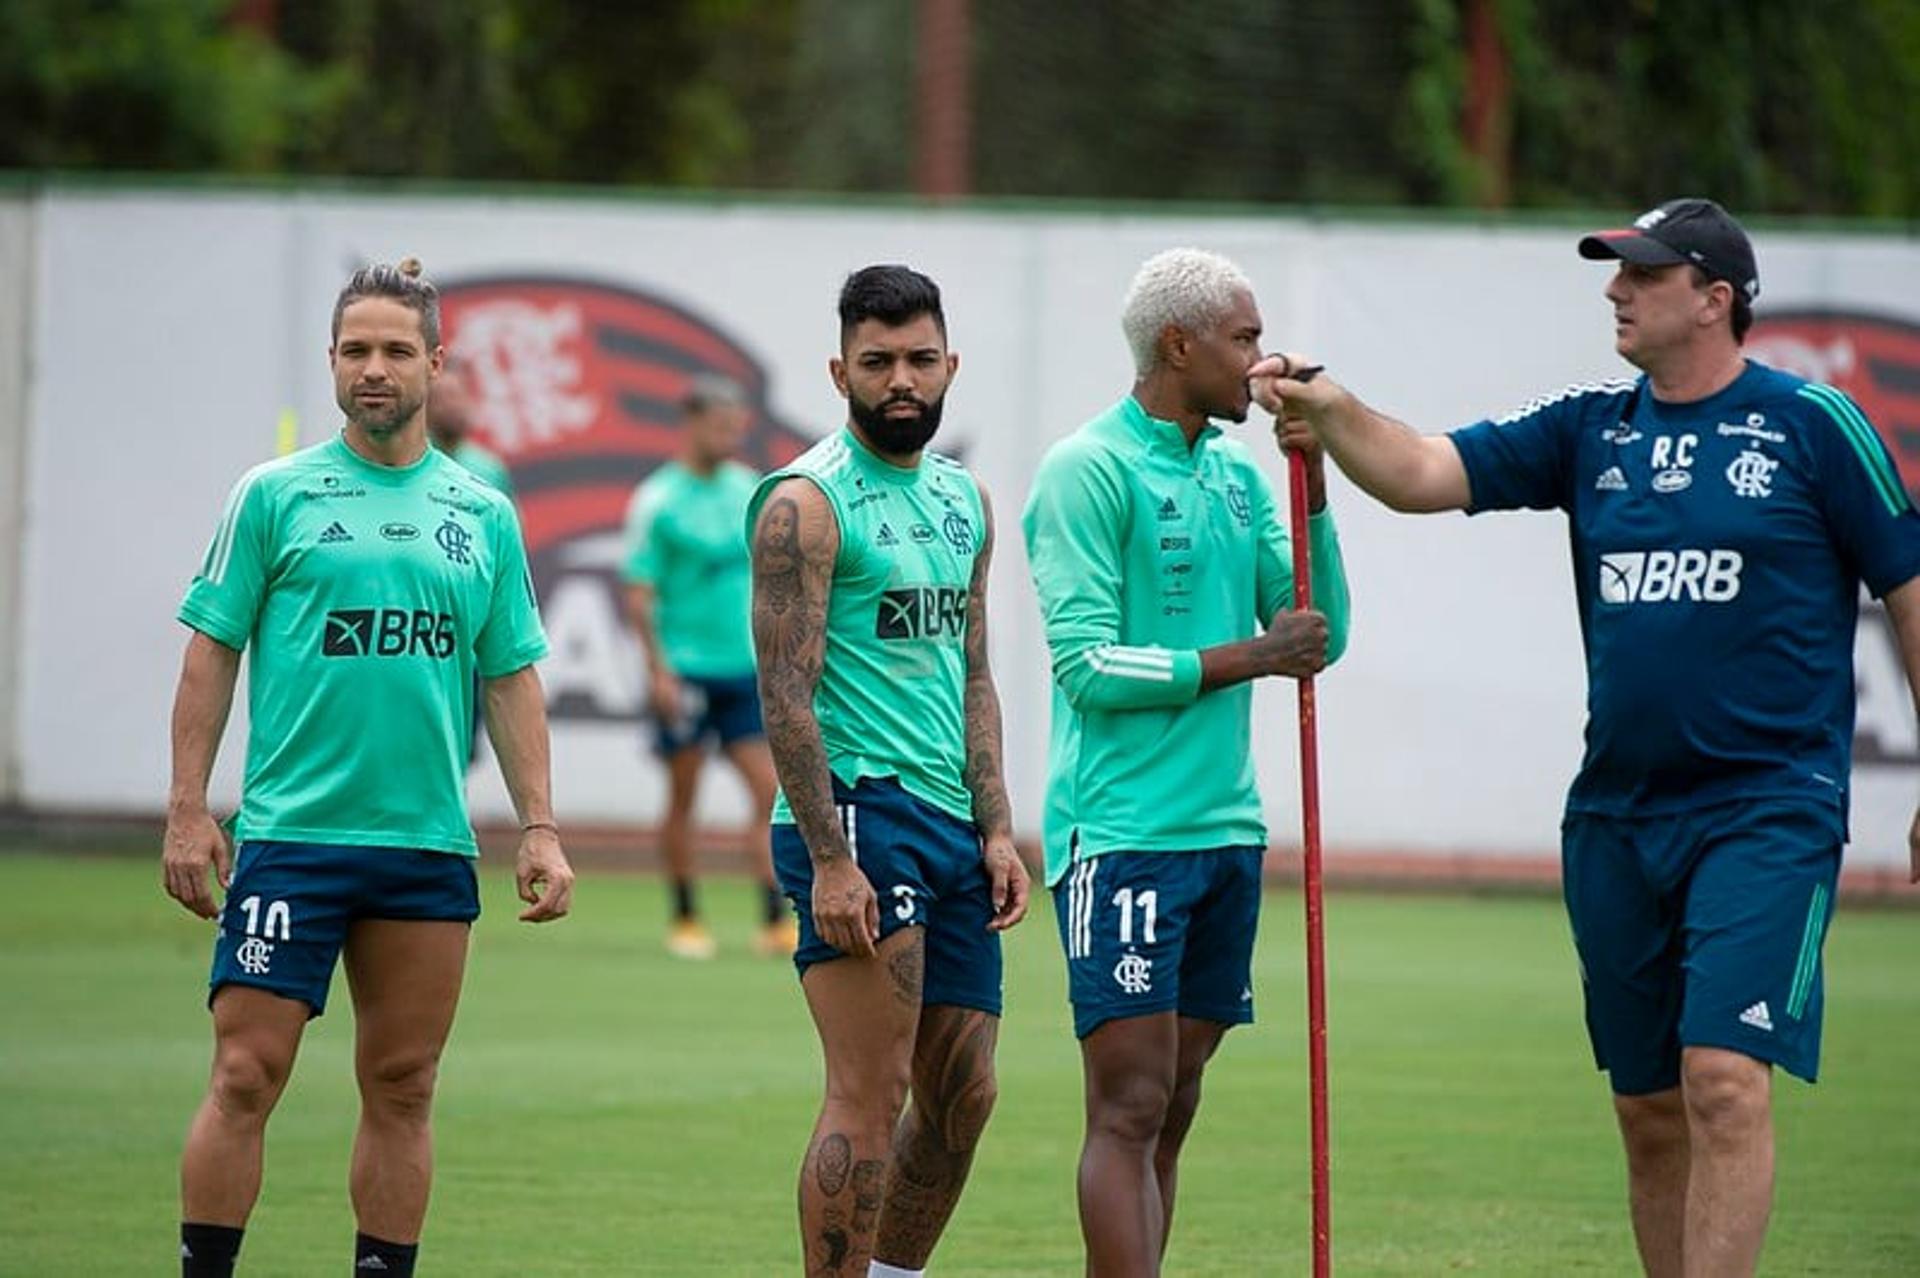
16, 260
170, 332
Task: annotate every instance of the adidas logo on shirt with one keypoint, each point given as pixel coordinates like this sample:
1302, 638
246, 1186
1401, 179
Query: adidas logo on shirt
1168, 510
1757, 1017
886, 536
1612, 480
335, 534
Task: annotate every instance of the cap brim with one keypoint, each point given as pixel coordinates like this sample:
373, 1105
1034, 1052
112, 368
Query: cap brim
1630, 246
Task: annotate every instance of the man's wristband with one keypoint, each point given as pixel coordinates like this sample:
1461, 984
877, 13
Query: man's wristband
528, 826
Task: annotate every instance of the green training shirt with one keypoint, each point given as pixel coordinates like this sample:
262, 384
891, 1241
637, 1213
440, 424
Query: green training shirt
1144, 552
366, 597
891, 699
485, 466
684, 540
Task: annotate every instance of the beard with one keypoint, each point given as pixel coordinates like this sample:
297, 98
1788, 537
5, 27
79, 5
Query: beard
896, 436
381, 421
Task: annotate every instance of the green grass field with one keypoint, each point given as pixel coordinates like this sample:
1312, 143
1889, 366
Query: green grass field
607, 1110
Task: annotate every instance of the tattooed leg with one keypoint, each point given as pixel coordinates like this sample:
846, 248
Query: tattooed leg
866, 1011
953, 1095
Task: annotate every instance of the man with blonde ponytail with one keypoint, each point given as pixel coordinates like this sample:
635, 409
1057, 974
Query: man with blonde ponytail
370, 578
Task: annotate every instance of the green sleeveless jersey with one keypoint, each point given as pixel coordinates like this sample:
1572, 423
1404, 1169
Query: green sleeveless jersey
366, 597
891, 698
683, 538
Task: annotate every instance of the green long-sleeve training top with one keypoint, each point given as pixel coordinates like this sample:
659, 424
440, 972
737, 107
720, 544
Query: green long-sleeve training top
1145, 551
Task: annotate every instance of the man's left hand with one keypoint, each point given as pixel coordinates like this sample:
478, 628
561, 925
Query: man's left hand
544, 878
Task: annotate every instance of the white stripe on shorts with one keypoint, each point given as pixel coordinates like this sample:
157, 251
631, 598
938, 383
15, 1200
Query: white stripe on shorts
1080, 910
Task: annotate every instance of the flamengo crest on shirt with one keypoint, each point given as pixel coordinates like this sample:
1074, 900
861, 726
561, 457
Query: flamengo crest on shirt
1751, 474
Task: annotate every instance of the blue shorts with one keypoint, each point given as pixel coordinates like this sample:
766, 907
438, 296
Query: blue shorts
289, 906
1702, 930
1149, 932
926, 871
726, 710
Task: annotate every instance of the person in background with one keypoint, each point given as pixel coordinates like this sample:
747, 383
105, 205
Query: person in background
686, 574
450, 425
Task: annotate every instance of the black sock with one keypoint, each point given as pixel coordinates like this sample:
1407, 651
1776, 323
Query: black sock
208, 1251
378, 1256
683, 899
776, 904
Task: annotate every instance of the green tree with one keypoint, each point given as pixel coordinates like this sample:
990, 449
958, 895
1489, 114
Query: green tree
149, 84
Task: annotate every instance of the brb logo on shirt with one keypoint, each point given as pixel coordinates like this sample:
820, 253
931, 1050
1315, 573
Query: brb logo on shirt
922, 612
1670, 576
387, 632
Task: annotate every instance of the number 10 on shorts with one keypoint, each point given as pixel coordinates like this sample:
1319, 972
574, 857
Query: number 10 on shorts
278, 919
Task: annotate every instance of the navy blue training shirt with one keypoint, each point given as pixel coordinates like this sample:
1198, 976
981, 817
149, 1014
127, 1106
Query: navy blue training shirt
1718, 551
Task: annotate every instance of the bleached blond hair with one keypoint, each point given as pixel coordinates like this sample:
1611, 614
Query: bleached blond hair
1187, 287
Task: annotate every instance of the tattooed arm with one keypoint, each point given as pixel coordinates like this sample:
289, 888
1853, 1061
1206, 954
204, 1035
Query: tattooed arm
986, 773
795, 541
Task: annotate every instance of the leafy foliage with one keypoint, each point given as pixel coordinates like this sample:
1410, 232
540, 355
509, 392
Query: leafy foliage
1771, 108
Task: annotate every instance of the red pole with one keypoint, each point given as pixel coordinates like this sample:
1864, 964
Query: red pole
1487, 118
944, 101
1316, 920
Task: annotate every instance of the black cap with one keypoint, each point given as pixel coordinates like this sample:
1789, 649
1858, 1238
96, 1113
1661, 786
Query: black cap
1695, 231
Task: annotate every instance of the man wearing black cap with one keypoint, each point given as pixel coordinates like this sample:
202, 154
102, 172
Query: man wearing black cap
1723, 517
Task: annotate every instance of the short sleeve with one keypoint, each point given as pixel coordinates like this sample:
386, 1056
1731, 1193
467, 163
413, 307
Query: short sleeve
640, 553
1867, 508
224, 597
511, 638
1523, 460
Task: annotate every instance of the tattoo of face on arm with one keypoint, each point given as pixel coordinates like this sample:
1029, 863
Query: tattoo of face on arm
791, 583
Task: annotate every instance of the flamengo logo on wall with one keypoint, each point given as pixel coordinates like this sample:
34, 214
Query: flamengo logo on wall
1875, 359
577, 384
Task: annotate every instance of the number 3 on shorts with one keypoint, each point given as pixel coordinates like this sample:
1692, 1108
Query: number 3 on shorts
903, 894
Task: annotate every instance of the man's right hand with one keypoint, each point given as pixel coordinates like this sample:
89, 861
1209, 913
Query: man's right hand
845, 912
194, 842
1295, 645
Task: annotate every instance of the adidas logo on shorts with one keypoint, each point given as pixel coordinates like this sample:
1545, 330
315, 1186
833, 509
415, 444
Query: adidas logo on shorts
1757, 1017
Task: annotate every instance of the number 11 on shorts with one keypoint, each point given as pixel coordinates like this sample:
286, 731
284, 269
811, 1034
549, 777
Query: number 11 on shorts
1149, 903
